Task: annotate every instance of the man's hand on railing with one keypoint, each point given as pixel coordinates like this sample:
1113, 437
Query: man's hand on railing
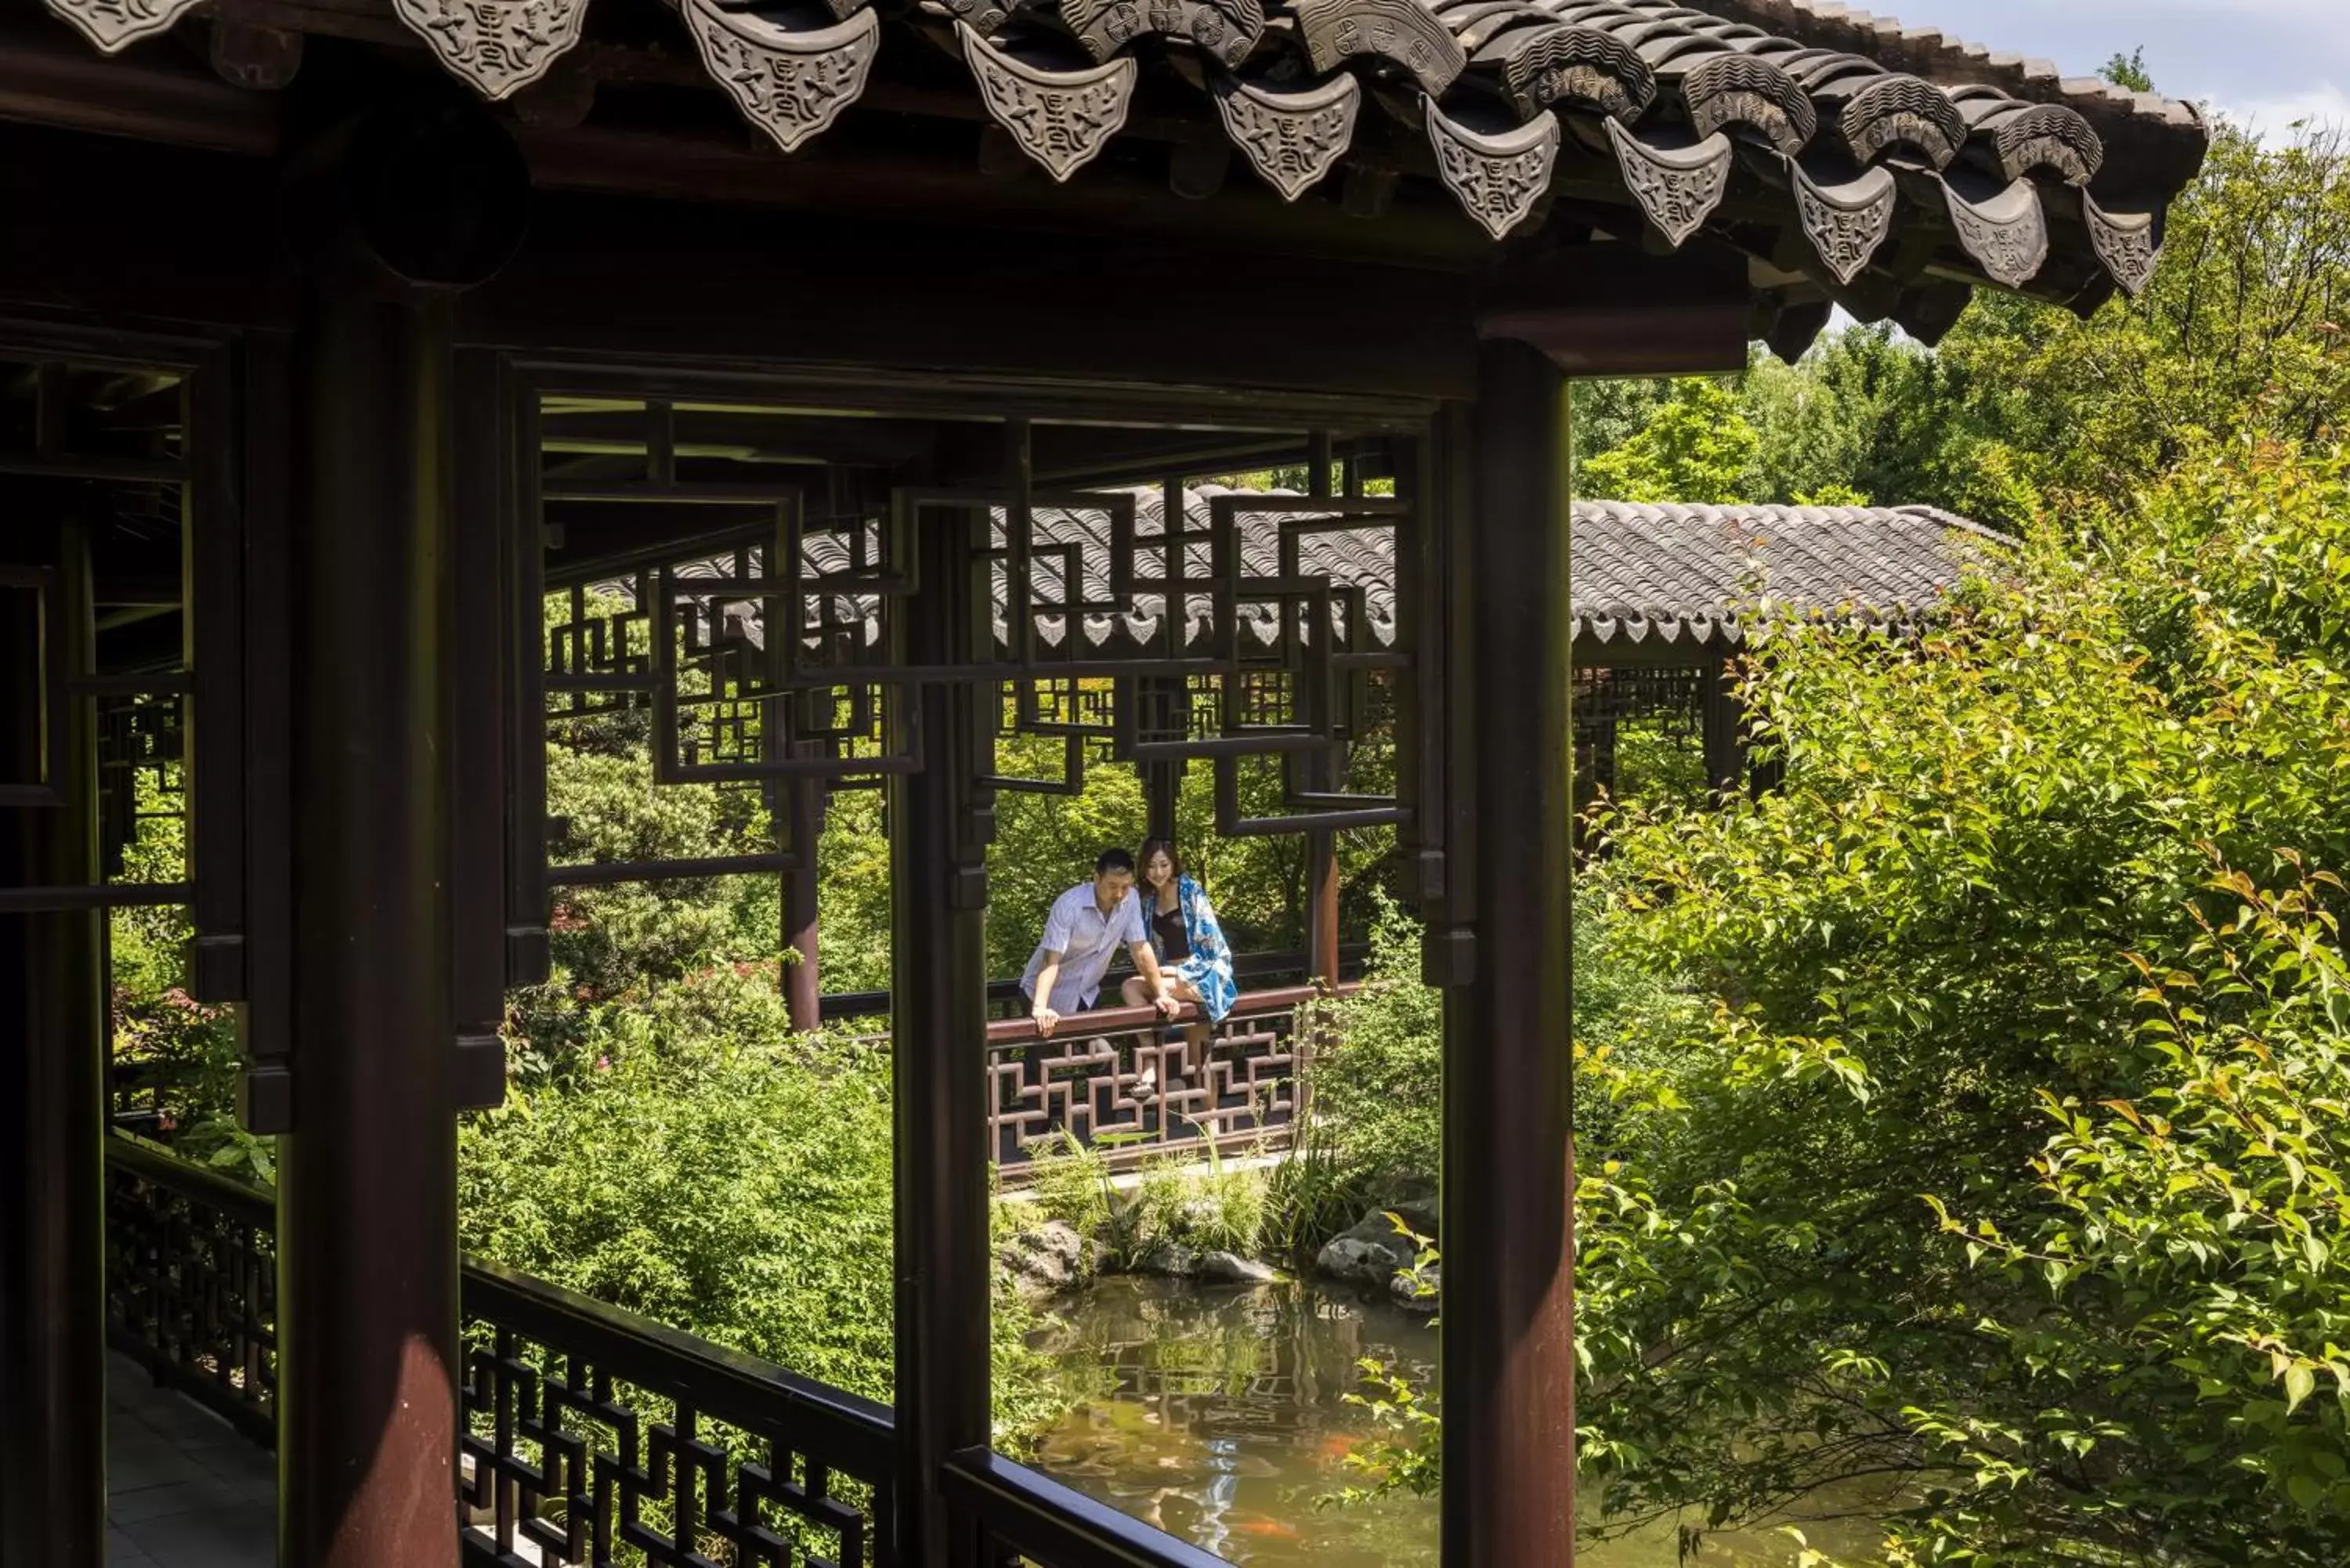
1045, 1019
1169, 1005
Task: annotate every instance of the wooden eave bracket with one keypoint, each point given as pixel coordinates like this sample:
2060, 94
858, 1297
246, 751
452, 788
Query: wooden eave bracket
1061, 118
790, 83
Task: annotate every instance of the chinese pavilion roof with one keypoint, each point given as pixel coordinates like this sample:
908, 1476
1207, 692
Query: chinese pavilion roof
1853, 160
1664, 574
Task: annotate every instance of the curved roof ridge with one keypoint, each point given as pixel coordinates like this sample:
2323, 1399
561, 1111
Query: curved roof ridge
1943, 56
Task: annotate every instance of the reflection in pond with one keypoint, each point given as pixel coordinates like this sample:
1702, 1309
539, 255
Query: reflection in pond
1219, 1415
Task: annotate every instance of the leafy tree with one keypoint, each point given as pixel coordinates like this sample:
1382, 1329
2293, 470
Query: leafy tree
2240, 333
2129, 71
1604, 414
1933, 962
1695, 447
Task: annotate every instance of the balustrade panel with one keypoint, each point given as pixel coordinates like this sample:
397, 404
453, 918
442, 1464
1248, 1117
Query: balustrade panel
1136, 1091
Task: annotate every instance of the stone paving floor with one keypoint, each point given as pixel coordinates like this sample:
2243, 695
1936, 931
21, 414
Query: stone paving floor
183, 1489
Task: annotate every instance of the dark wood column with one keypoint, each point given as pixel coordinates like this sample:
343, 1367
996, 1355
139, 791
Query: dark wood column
1721, 731
53, 1056
391, 213
1322, 907
937, 991
367, 1195
804, 981
1162, 794
1321, 844
1508, 1335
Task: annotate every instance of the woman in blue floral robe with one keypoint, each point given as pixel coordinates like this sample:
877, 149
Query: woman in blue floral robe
1192, 953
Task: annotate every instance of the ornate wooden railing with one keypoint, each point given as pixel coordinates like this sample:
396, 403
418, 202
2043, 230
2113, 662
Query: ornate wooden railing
598, 1436
593, 1437
192, 1281
1130, 1082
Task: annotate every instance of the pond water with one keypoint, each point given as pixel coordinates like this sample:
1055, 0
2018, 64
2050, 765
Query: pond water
1219, 1414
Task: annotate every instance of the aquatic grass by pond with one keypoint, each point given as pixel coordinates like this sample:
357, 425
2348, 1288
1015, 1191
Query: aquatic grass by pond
1219, 1415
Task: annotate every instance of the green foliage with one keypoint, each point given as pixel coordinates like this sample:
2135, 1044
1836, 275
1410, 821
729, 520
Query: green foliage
1377, 1086
1070, 1180
2026, 406
1919, 953
1201, 1205
1695, 447
188, 1052
2128, 70
715, 1172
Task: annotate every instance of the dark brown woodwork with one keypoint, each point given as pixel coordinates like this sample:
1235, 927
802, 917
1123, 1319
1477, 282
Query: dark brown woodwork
53, 1056
261, 60
385, 725
265, 1089
1162, 794
578, 282
368, 1209
1615, 310
1322, 845
1722, 731
1508, 1346
484, 458
937, 1023
804, 980
160, 95
67, 251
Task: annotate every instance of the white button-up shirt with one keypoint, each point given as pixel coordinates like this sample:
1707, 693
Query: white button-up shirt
1087, 941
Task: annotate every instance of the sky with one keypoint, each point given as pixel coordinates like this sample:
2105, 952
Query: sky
2265, 62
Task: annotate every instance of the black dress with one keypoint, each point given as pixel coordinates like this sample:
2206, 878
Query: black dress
1174, 945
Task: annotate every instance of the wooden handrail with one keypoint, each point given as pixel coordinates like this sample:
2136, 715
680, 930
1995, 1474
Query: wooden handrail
1129, 1019
844, 1429
838, 1004
151, 1162
1055, 1525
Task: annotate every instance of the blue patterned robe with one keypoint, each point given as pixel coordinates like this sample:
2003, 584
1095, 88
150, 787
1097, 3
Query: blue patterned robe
1210, 967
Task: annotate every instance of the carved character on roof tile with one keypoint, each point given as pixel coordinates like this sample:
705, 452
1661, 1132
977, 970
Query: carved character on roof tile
1060, 119
113, 24
1678, 187
1404, 32
789, 84
2125, 243
1292, 139
2007, 235
499, 46
1846, 222
1498, 179
2047, 136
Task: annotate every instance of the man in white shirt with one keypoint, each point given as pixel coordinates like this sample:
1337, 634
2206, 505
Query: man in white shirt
1082, 934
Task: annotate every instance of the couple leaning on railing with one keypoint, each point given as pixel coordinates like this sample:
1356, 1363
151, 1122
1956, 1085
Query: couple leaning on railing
1162, 918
